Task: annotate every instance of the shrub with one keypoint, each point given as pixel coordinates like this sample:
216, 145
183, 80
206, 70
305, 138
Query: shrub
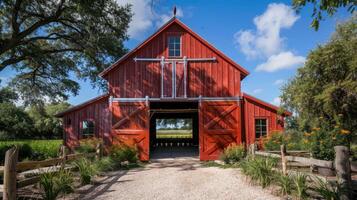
285, 183
293, 140
86, 170
323, 138
300, 185
88, 145
123, 153
233, 154
105, 164
55, 183
259, 170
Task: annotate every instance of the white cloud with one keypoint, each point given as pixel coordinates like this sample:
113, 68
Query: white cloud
145, 17
279, 82
163, 18
276, 101
266, 40
283, 60
257, 91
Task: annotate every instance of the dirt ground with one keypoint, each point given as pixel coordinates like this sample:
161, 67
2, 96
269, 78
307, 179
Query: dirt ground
174, 179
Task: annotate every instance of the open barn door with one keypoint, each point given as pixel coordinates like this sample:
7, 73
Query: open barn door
131, 126
219, 126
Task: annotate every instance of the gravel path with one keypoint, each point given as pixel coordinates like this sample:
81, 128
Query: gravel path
180, 179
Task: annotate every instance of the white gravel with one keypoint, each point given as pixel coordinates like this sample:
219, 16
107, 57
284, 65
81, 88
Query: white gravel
181, 179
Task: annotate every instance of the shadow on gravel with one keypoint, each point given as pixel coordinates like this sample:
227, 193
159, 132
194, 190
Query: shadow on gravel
93, 191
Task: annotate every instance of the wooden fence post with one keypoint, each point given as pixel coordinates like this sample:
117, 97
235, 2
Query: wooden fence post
251, 150
283, 158
11, 157
63, 156
343, 170
99, 151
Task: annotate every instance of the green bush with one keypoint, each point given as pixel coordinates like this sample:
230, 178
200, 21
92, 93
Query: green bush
88, 145
54, 183
300, 185
123, 153
233, 154
260, 170
292, 139
284, 182
86, 170
105, 164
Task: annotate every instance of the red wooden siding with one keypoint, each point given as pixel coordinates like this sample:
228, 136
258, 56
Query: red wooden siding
139, 79
96, 111
256, 109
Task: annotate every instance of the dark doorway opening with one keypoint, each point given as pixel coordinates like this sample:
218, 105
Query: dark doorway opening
173, 129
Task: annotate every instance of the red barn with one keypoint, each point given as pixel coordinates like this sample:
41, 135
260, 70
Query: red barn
175, 73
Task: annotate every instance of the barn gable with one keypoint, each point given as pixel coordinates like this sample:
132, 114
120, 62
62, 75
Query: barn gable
130, 79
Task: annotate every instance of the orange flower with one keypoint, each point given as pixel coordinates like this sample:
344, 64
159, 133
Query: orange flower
316, 129
345, 132
307, 134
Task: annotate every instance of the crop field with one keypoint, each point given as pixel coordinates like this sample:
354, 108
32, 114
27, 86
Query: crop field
173, 134
32, 149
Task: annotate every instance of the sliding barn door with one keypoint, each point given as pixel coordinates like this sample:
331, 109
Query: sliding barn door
219, 126
131, 126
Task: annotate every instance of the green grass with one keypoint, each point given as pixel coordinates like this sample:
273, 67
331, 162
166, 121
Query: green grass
173, 134
39, 149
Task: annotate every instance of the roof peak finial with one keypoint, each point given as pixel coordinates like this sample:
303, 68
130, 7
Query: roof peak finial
174, 11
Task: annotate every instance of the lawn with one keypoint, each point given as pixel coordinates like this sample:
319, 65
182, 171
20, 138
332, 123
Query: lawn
32, 149
173, 134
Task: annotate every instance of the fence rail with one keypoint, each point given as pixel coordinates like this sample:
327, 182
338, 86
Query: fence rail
22, 174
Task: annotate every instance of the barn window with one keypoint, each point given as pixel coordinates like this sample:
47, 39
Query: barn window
260, 127
174, 42
87, 128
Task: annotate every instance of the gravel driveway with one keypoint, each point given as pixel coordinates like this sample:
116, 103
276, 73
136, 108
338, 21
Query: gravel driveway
180, 179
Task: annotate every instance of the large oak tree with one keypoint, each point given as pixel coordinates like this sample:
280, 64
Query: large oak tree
49, 42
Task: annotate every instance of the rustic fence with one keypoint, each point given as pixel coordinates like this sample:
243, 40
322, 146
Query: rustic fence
341, 165
21, 174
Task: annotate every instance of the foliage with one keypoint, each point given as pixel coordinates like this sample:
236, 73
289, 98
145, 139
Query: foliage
260, 170
292, 139
14, 122
123, 153
300, 185
323, 138
105, 164
55, 183
326, 85
328, 190
88, 145
233, 153
47, 42
354, 152
86, 170
284, 182
322, 6
45, 123
7, 95
32, 149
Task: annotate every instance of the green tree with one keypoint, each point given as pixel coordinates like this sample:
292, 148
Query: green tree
49, 42
14, 122
325, 88
45, 124
7, 95
324, 6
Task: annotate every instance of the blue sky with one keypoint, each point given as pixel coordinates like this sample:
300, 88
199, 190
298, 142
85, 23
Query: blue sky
265, 37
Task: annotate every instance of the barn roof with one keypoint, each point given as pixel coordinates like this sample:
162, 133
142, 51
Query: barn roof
243, 71
261, 102
79, 106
